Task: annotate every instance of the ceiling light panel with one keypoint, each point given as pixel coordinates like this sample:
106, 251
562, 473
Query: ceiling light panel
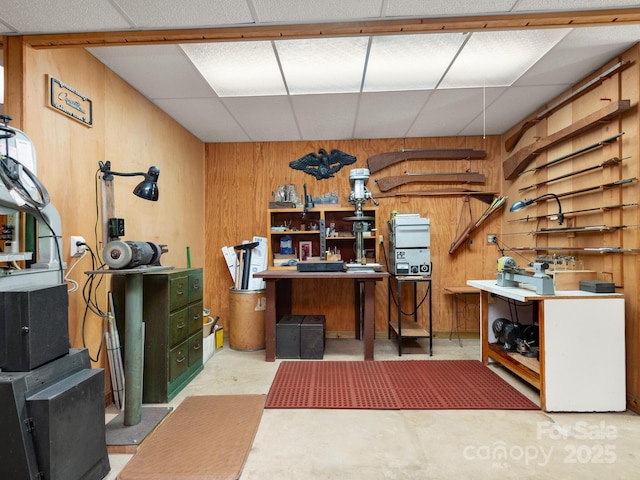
496, 59
326, 65
410, 62
238, 69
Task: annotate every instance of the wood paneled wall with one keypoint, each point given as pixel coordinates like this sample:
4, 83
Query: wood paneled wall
242, 176
133, 134
620, 268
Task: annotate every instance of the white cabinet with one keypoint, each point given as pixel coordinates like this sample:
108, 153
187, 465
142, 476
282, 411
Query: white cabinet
581, 366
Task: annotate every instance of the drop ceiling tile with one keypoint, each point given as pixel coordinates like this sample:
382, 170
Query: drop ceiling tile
499, 58
580, 53
308, 11
509, 107
264, 118
324, 117
156, 71
69, 16
194, 13
554, 5
207, 118
449, 111
404, 8
388, 114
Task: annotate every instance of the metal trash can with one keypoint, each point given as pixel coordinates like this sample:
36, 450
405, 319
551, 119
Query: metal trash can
246, 319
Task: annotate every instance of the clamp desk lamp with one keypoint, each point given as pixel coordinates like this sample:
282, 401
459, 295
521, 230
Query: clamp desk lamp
520, 204
147, 189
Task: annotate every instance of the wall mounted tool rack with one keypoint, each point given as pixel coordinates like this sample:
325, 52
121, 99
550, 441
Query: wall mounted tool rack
516, 163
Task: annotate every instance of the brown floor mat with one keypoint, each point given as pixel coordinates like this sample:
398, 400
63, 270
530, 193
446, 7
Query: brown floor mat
206, 437
404, 384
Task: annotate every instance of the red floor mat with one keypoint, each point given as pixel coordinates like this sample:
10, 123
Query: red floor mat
403, 384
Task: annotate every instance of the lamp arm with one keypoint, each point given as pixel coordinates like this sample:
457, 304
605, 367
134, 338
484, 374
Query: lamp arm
560, 214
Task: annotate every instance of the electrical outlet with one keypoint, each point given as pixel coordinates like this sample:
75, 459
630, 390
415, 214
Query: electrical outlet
492, 238
75, 249
380, 239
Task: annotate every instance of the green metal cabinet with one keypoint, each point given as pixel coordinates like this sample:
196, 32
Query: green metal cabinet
172, 315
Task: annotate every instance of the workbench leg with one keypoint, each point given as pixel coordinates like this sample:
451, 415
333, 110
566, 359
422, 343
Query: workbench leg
369, 318
270, 321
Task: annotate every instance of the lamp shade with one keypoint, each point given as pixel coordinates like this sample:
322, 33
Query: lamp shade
520, 204
148, 188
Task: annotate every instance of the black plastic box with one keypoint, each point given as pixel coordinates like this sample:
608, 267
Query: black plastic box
597, 286
312, 337
288, 336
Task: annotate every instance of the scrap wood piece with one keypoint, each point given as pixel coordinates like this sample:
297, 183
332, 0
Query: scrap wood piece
517, 162
387, 183
496, 205
382, 160
513, 140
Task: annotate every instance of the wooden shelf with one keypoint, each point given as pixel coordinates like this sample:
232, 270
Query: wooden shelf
410, 330
329, 214
525, 367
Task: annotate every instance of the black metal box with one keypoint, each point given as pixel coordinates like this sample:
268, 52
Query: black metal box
312, 337
52, 424
597, 286
288, 336
34, 327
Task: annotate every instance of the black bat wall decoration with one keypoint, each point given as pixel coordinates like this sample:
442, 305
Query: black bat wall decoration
322, 164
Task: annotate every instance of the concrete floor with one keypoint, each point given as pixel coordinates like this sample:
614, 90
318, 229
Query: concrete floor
426, 444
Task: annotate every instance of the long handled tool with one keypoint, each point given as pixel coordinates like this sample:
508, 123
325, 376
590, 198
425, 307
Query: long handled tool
607, 163
583, 210
115, 357
388, 183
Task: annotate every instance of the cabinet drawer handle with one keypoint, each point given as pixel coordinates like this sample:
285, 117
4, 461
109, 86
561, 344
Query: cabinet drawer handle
196, 347
181, 358
181, 325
